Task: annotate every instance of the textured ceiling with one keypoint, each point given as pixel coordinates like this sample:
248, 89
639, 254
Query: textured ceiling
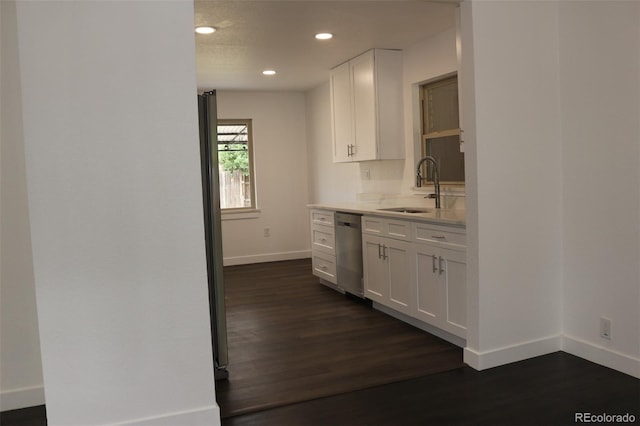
256, 35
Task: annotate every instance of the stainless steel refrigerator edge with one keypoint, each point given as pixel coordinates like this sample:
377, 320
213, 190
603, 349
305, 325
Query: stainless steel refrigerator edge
208, 121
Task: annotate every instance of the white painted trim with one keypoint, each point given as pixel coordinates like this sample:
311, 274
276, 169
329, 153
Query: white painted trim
14, 399
201, 416
601, 355
267, 257
239, 214
512, 353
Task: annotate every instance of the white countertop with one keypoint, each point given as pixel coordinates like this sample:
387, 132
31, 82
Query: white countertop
448, 217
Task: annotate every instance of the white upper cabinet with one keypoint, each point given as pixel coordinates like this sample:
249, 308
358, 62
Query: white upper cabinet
366, 107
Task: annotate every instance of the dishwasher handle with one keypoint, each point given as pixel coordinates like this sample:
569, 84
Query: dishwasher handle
348, 220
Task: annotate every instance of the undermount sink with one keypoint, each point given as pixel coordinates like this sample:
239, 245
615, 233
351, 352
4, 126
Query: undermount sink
406, 210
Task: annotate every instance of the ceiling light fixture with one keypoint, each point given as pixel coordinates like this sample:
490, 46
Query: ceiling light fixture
324, 36
205, 30
269, 72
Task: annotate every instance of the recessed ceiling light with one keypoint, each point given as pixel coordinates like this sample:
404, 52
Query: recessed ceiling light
205, 30
269, 72
324, 36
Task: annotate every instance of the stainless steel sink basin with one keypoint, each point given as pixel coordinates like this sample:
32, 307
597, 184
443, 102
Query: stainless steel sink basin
406, 210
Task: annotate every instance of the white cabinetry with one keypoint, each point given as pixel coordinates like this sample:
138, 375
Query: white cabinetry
440, 261
366, 107
323, 251
417, 269
387, 256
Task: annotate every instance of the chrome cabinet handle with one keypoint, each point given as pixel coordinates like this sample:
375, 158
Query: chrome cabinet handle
382, 252
438, 237
433, 263
440, 260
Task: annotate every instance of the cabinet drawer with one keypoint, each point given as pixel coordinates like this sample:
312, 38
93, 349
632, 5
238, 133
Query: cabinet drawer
323, 239
441, 235
324, 266
398, 229
324, 217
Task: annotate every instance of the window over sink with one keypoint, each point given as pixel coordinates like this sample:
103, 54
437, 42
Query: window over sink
441, 129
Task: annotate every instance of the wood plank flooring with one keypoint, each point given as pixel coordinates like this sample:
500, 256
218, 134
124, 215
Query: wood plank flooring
547, 390
292, 339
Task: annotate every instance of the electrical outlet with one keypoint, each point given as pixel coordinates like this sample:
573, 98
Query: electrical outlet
605, 328
267, 232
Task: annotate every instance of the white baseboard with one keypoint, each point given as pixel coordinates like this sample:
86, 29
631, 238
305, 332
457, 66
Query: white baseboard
513, 353
601, 355
21, 398
267, 257
205, 416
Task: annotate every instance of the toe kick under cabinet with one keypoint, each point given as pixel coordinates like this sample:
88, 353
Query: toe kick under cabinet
417, 269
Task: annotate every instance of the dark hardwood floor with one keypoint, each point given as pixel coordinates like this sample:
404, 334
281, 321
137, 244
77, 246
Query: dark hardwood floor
292, 339
279, 349
548, 390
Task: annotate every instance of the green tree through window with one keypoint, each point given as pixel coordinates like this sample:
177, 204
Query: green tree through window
235, 164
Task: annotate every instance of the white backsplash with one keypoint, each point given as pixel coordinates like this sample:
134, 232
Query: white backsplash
454, 200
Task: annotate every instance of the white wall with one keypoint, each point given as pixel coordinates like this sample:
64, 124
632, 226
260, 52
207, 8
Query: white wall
600, 54
516, 242
112, 162
20, 366
331, 182
280, 151
552, 134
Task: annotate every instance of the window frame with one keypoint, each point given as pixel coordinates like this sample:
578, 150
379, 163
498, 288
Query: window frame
248, 122
425, 136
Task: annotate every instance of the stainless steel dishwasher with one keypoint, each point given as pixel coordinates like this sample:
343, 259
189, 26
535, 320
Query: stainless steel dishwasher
349, 252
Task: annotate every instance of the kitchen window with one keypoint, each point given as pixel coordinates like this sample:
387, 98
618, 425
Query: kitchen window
235, 165
441, 129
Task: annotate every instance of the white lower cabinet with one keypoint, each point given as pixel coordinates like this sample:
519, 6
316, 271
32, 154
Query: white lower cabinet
421, 274
441, 288
323, 250
387, 272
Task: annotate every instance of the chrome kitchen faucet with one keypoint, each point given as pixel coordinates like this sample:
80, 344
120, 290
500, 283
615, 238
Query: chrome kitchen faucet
436, 178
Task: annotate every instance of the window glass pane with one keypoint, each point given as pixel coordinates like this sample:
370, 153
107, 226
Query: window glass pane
441, 106
446, 151
234, 165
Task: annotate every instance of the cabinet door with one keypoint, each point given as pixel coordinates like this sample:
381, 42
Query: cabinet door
376, 276
428, 299
364, 107
398, 255
341, 113
454, 284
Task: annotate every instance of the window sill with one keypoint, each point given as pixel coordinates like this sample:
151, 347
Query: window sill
240, 214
